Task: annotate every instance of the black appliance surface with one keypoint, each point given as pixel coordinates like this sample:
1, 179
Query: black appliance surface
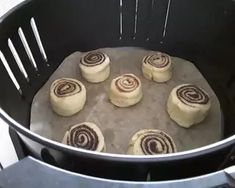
24, 175
200, 31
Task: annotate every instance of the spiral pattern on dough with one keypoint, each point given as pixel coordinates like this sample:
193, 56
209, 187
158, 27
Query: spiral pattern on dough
158, 60
83, 136
66, 87
93, 58
157, 142
191, 94
127, 83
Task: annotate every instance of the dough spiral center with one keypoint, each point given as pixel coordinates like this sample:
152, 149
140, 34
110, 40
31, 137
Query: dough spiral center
93, 59
158, 60
156, 143
64, 88
191, 94
127, 83
83, 137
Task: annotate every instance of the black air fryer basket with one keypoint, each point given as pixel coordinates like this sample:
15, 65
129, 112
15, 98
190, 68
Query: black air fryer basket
41, 33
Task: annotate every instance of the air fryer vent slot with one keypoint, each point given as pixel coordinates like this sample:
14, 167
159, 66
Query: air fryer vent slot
17, 59
10, 73
121, 22
136, 17
166, 19
27, 48
38, 39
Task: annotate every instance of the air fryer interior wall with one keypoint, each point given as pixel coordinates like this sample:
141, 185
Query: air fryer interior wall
199, 31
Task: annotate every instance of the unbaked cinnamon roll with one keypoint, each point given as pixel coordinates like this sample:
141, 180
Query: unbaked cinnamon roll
157, 67
86, 136
67, 96
151, 142
126, 90
95, 67
188, 104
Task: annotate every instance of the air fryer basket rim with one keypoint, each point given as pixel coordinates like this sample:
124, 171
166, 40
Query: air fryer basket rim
136, 183
118, 157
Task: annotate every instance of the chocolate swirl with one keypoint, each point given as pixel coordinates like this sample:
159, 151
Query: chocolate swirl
83, 136
158, 60
93, 59
127, 83
66, 87
191, 94
157, 142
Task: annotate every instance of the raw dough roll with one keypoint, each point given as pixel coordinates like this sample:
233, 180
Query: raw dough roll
86, 136
151, 142
67, 96
157, 67
126, 90
188, 105
95, 67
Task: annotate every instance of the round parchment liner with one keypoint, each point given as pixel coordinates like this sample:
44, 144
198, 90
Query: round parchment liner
119, 124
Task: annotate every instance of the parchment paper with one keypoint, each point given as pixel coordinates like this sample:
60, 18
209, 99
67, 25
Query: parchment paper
119, 124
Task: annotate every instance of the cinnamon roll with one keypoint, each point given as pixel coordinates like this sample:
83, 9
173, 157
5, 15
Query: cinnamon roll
188, 105
157, 67
86, 136
126, 90
95, 67
67, 96
151, 142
